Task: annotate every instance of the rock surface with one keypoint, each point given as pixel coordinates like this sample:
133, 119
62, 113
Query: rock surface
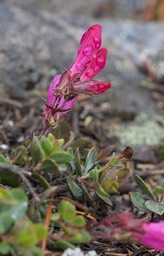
32, 43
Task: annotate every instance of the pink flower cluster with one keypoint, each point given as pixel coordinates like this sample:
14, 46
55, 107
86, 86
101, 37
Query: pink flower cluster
124, 226
89, 61
153, 235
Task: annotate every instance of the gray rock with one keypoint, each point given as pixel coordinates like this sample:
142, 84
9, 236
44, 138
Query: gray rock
36, 42
39, 39
127, 41
32, 43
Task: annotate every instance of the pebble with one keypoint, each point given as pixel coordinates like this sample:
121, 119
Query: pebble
78, 252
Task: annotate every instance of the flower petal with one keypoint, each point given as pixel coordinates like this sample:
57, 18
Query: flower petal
153, 235
89, 45
95, 65
96, 87
51, 97
90, 87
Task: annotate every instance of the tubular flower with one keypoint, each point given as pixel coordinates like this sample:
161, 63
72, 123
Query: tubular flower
57, 106
153, 235
89, 61
89, 45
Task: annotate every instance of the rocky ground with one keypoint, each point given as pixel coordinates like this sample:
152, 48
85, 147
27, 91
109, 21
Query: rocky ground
38, 40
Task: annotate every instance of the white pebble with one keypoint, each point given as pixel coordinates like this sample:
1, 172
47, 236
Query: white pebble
4, 146
78, 252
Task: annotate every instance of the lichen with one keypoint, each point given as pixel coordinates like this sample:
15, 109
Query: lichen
144, 129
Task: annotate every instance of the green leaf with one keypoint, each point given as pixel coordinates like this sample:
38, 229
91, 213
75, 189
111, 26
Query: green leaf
159, 190
36, 252
51, 138
46, 145
143, 186
19, 156
95, 175
155, 207
5, 248
79, 221
123, 175
10, 179
62, 244
120, 165
113, 161
90, 160
55, 217
100, 192
81, 237
2, 159
5, 222
87, 194
72, 162
61, 157
138, 201
37, 153
77, 162
26, 237
41, 180
40, 231
28, 234
14, 204
74, 188
19, 195
58, 144
109, 180
19, 211
49, 165
67, 211
80, 143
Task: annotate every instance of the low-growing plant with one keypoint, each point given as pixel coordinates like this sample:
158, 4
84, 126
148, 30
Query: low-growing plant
151, 200
18, 234
52, 185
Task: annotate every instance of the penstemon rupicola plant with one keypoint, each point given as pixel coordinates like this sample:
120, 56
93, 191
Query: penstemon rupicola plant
60, 169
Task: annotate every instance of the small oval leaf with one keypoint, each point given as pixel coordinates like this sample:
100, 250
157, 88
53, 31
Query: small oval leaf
143, 186
90, 160
46, 145
6, 222
36, 150
80, 221
74, 188
61, 157
62, 244
2, 159
10, 179
67, 211
19, 156
138, 201
41, 180
100, 192
155, 207
49, 165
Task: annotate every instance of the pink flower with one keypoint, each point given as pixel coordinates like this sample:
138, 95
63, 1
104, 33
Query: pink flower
89, 61
124, 227
153, 235
59, 106
89, 46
